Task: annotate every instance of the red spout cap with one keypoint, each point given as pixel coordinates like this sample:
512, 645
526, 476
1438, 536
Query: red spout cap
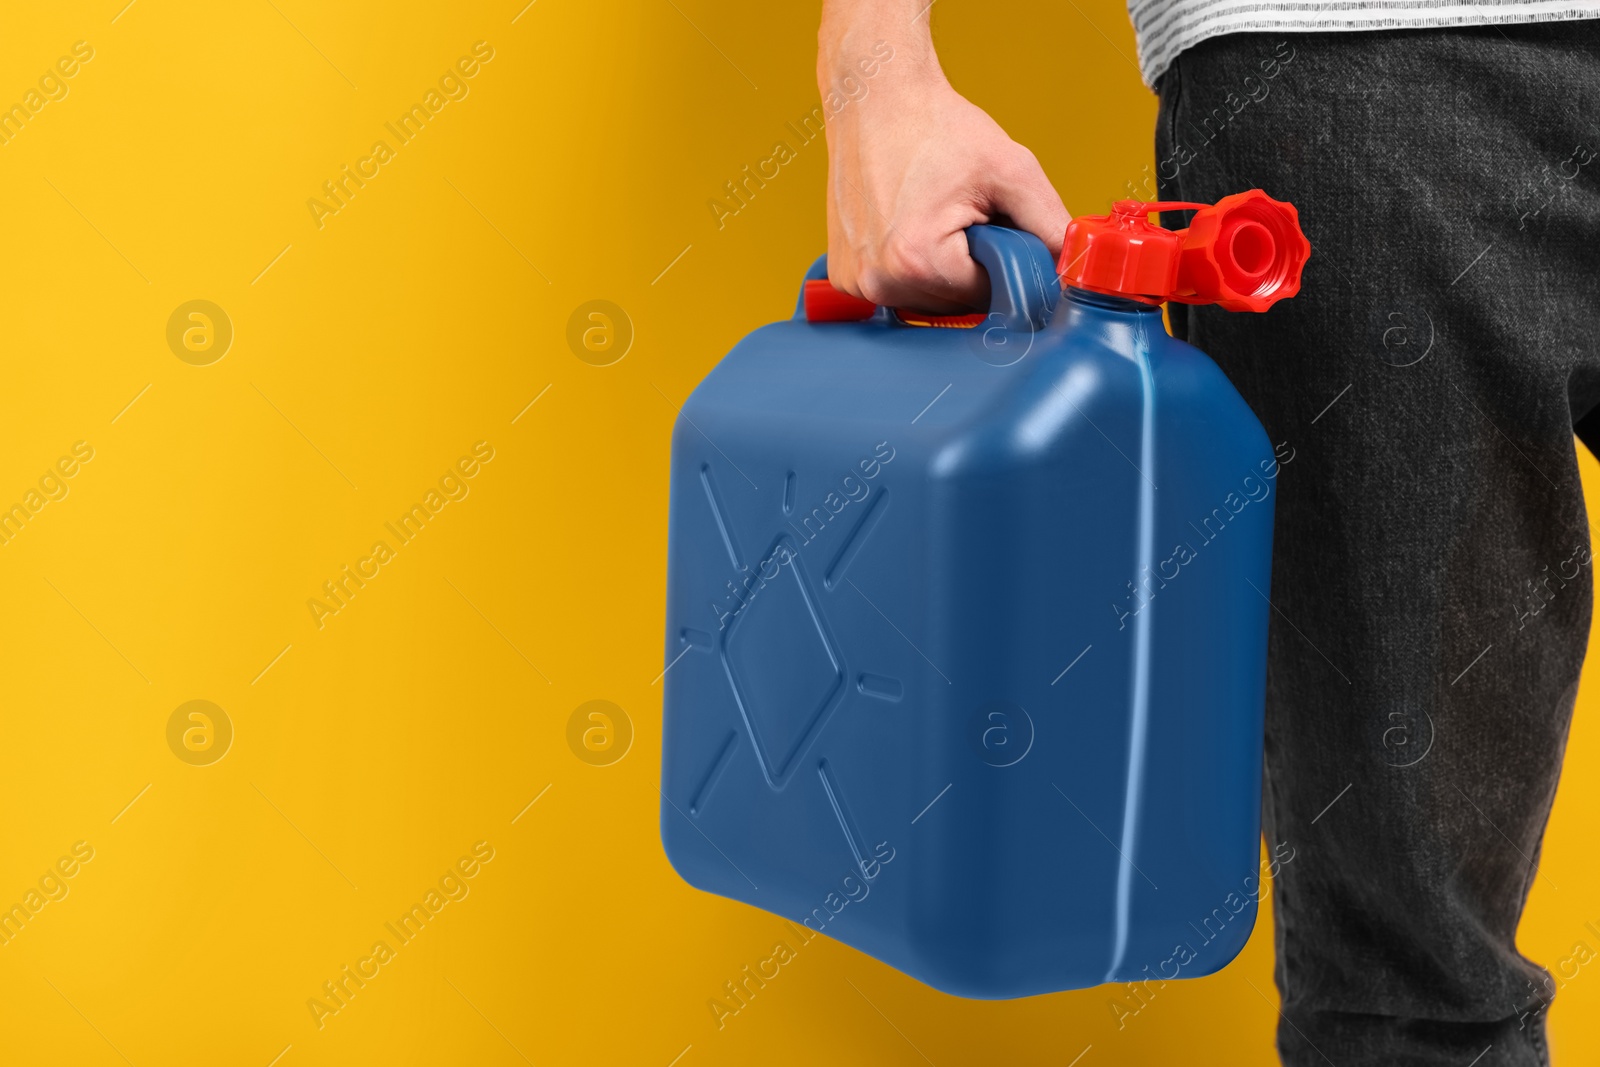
1244, 253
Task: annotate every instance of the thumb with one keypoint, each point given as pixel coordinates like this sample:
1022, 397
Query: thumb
1018, 190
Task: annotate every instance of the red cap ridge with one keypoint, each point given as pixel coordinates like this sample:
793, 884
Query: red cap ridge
1244, 253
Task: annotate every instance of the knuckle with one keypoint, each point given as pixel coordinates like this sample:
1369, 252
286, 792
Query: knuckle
901, 259
875, 284
1017, 165
842, 273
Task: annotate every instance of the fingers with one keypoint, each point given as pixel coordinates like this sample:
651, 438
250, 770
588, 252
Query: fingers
917, 260
935, 274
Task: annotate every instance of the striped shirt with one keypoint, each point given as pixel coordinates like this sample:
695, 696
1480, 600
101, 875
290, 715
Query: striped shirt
1166, 27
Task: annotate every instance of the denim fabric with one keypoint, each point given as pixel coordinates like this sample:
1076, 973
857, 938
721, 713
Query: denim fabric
1432, 582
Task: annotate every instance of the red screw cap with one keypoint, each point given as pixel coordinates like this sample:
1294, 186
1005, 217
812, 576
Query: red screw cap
824, 303
1244, 253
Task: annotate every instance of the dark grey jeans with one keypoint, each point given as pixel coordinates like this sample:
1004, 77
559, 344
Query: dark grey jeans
1432, 582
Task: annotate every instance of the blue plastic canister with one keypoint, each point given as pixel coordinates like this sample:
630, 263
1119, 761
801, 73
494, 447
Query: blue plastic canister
966, 636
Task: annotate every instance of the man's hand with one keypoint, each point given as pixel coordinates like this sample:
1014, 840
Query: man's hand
911, 164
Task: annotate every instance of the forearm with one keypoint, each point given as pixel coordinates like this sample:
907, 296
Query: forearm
852, 29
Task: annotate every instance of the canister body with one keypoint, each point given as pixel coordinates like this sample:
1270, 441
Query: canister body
967, 645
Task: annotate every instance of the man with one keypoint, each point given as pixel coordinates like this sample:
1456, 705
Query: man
1432, 581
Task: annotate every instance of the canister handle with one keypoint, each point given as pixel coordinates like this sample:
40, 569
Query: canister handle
1023, 285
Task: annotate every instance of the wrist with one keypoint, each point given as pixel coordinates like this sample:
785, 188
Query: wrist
856, 39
